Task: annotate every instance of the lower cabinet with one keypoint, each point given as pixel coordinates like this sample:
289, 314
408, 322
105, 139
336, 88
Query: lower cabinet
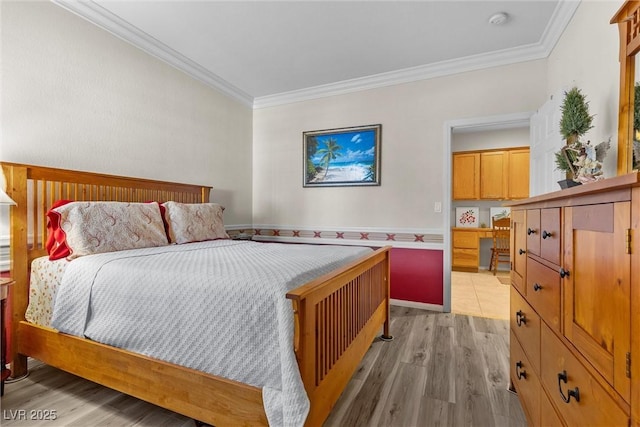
525, 381
572, 344
465, 250
572, 388
548, 415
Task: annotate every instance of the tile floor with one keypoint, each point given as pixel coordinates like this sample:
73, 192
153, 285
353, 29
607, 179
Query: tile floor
480, 294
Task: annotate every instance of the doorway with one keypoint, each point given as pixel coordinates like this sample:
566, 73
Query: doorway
467, 133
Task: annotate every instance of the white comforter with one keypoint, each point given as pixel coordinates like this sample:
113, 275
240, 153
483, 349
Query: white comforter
218, 307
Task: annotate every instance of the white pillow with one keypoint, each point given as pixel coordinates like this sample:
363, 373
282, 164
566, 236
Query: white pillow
97, 227
194, 222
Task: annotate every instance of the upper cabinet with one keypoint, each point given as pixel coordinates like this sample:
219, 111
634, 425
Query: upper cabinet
491, 174
518, 175
466, 176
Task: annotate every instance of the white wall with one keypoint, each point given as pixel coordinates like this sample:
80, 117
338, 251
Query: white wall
489, 139
586, 56
75, 96
412, 117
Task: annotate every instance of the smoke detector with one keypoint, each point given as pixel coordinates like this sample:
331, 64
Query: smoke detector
498, 18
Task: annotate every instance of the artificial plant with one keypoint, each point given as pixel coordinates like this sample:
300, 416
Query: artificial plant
575, 122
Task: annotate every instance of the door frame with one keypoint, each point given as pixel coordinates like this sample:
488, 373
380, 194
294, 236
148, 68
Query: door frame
503, 121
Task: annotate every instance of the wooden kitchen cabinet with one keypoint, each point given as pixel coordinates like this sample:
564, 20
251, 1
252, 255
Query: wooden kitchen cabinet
466, 176
491, 174
494, 171
518, 174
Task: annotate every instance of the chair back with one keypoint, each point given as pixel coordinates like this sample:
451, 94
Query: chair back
501, 231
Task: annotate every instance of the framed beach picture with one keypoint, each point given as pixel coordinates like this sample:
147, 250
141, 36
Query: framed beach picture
467, 217
342, 157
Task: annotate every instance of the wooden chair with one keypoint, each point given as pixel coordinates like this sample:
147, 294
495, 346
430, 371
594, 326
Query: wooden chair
500, 250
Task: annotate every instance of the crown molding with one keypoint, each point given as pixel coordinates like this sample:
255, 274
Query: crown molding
559, 20
407, 75
106, 20
101, 17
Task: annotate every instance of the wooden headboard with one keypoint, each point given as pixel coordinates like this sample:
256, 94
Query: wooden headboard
36, 188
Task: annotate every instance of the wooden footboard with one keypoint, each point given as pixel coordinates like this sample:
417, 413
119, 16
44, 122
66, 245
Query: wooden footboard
337, 315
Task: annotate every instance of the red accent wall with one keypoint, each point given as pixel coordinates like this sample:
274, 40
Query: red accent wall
416, 275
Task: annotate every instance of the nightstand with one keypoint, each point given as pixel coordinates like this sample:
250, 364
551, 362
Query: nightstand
4, 291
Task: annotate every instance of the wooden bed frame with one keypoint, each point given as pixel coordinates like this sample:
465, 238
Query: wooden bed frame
337, 315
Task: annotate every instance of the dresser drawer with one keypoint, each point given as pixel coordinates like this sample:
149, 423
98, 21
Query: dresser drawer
525, 323
533, 231
548, 415
543, 292
550, 235
544, 233
465, 239
594, 407
525, 381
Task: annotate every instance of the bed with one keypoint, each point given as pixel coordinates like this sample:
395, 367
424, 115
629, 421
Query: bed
335, 316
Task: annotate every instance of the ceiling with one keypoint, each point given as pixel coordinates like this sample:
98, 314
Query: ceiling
270, 52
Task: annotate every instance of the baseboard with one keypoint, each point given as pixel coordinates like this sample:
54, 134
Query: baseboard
414, 304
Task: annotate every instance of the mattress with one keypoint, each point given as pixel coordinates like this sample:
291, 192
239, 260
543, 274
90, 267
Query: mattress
219, 307
45, 280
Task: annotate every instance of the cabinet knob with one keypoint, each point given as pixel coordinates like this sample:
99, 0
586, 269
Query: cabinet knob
521, 319
531, 231
575, 393
546, 234
520, 373
522, 251
564, 273
536, 287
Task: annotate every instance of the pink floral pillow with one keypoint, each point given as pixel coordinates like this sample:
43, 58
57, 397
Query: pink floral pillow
194, 222
97, 227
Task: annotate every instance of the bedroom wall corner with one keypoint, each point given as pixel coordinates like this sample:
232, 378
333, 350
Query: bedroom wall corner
75, 96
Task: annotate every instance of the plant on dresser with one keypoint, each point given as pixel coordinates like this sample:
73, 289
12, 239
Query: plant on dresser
575, 303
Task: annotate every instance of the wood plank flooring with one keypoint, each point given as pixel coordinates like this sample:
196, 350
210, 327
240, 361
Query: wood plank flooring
440, 370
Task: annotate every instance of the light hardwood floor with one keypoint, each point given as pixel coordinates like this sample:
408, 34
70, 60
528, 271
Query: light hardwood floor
480, 294
440, 370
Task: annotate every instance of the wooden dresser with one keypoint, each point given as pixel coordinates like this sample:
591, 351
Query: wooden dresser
575, 304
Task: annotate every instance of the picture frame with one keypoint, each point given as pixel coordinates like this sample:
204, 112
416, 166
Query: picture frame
500, 212
342, 157
468, 217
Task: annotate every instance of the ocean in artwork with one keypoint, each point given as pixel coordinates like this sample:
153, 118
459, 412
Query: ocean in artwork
346, 172
342, 158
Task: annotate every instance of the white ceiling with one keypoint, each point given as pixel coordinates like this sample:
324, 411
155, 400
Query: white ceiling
269, 52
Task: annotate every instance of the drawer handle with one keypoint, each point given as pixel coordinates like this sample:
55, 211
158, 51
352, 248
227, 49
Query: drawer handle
520, 373
546, 234
536, 287
562, 378
530, 231
522, 251
521, 319
564, 273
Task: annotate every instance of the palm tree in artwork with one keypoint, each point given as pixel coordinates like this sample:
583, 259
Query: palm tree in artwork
330, 152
